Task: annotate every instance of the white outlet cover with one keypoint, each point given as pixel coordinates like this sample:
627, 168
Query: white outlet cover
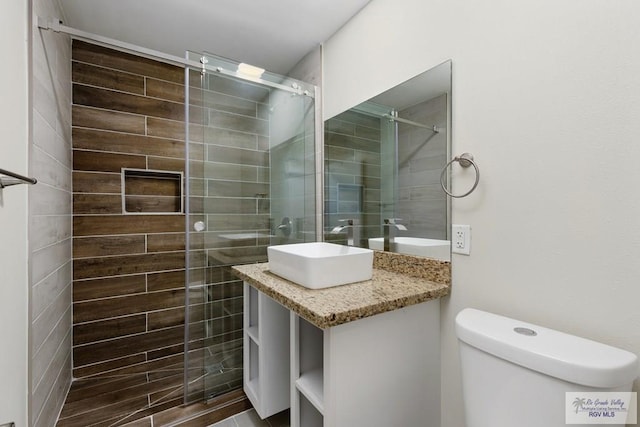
461, 239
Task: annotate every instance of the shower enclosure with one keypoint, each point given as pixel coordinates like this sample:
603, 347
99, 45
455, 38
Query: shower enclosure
250, 183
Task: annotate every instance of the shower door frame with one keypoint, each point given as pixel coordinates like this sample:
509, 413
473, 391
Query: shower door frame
224, 67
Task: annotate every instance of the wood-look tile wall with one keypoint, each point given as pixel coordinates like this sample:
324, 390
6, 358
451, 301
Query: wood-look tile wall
128, 294
128, 270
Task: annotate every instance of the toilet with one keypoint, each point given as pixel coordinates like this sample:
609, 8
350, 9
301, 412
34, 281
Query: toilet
516, 374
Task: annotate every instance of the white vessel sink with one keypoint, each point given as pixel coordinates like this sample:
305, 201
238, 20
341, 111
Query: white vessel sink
320, 265
431, 248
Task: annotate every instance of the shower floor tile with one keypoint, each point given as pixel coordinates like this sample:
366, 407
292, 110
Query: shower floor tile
148, 399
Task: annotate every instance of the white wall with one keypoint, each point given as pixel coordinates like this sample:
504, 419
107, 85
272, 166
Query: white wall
13, 214
546, 95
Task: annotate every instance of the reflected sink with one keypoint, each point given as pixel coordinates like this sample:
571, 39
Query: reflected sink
320, 265
431, 248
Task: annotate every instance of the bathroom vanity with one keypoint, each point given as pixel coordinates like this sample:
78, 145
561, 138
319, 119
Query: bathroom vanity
363, 354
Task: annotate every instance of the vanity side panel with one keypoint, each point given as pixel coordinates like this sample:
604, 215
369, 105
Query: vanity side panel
250, 390
384, 370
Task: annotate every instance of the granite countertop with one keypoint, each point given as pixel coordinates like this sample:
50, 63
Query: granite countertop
398, 281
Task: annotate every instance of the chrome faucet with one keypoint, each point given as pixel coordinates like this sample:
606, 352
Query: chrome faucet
390, 227
352, 230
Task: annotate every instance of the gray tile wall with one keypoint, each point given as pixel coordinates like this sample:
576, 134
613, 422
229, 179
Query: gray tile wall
293, 189
309, 70
352, 157
50, 220
421, 156
236, 167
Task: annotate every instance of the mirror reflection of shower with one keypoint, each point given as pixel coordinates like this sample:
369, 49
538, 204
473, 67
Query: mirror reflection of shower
394, 145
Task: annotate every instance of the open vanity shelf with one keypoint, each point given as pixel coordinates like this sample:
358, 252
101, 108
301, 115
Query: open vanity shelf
307, 373
266, 353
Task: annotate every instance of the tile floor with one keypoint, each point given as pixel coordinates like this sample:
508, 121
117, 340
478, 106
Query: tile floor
155, 397
251, 419
144, 400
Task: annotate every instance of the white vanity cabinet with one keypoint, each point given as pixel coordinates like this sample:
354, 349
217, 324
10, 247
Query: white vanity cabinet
379, 371
266, 353
366, 354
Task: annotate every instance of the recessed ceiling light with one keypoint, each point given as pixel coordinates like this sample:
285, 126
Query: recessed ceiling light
250, 70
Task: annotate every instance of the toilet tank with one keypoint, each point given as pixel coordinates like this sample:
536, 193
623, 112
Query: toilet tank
516, 374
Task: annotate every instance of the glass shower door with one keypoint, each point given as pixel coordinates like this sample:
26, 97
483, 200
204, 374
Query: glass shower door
251, 185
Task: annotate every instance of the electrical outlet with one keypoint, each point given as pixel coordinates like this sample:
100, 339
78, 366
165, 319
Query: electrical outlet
461, 239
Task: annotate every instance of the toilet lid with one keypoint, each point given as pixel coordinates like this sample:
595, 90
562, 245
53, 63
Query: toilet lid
567, 357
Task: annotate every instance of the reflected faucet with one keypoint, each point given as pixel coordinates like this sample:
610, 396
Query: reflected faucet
390, 227
285, 226
352, 230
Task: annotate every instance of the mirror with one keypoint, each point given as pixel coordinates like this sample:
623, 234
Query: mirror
383, 160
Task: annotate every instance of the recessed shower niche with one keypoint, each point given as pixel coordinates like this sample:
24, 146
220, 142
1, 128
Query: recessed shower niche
151, 191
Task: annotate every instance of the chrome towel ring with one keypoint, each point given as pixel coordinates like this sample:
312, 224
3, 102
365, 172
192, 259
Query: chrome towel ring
465, 160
